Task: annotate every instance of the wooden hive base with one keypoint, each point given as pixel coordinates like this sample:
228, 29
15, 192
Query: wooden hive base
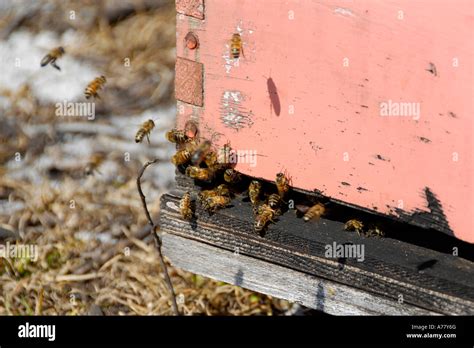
289, 262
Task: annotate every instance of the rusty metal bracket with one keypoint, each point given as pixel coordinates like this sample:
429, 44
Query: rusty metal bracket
189, 81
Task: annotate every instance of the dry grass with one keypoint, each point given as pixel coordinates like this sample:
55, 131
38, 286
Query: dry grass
95, 254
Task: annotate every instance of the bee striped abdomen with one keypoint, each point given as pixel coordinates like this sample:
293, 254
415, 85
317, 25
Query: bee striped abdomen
235, 46
52, 56
93, 87
144, 130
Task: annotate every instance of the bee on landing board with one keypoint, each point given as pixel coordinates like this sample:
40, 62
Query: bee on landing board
354, 225
144, 130
52, 56
311, 213
93, 87
185, 207
94, 163
274, 201
212, 204
202, 174
236, 46
255, 190
264, 216
375, 231
221, 190
232, 176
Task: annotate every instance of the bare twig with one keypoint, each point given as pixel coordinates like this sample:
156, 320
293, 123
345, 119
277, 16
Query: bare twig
156, 237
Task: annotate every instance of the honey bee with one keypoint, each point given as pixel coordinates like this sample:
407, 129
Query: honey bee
282, 184
94, 162
181, 157
265, 214
211, 204
185, 206
221, 190
255, 189
274, 201
177, 136
354, 225
211, 159
201, 152
52, 56
203, 174
93, 87
374, 231
236, 46
232, 176
310, 213
144, 130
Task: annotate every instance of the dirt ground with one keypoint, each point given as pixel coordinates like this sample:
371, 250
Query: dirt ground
93, 253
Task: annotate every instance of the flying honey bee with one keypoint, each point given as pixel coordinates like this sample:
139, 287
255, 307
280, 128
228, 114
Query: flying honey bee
282, 184
93, 87
211, 204
202, 174
185, 206
93, 164
201, 152
144, 131
232, 176
181, 157
310, 213
255, 189
52, 56
236, 46
265, 214
354, 225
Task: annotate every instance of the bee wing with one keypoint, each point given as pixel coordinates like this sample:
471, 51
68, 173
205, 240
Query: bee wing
47, 58
302, 208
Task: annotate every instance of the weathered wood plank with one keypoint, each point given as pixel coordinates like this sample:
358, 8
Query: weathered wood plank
278, 281
390, 267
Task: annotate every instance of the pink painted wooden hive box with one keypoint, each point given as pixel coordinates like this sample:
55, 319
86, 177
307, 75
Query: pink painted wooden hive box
368, 103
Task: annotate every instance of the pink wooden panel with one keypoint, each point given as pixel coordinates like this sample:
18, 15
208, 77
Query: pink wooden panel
324, 125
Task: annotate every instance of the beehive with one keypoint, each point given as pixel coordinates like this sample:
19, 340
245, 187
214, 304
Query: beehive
369, 104
366, 104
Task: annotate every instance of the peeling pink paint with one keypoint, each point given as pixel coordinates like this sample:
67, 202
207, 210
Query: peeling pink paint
335, 133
